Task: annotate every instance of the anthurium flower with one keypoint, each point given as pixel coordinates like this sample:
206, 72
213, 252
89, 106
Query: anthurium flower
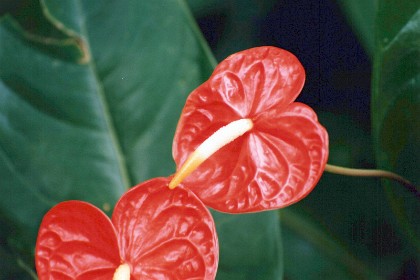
242, 144
155, 233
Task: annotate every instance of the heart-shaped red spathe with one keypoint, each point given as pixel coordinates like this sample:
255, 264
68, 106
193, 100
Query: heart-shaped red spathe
280, 160
160, 233
76, 241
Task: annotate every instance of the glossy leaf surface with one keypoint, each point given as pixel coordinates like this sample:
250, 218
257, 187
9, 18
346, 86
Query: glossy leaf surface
275, 164
162, 234
396, 106
242, 259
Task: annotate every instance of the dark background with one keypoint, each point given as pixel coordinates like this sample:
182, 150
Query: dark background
337, 67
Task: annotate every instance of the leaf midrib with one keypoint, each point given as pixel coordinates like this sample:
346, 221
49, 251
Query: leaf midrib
109, 121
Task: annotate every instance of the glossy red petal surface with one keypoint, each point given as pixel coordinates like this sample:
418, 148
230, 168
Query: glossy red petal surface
243, 85
166, 234
76, 240
275, 164
300, 146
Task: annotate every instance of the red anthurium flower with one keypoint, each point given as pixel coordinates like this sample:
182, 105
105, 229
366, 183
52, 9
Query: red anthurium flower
155, 233
265, 151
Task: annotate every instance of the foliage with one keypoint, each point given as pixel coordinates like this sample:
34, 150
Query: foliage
90, 95
396, 105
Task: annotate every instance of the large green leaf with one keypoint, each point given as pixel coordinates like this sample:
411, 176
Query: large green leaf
396, 105
344, 229
309, 243
250, 246
88, 107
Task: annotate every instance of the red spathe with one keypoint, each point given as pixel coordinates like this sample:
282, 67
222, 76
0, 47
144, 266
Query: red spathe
275, 164
160, 233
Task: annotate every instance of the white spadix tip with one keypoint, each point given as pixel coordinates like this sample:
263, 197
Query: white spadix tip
224, 136
122, 272
216, 141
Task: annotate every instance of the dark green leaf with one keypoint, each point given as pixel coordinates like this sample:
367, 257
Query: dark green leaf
89, 113
203, 7
10, 266
312, 253
250, 246
344, 228
396, 105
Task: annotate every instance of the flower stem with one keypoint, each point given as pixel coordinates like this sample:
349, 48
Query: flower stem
372, 173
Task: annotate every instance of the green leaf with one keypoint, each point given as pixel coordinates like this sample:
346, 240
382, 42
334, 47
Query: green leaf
88, 108
344, 228
313, 253
203, 7
250, 246
396, 105
9, 266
